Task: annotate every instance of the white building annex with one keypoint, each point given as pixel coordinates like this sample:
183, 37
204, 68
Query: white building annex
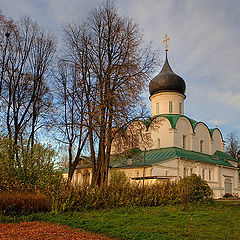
177, 146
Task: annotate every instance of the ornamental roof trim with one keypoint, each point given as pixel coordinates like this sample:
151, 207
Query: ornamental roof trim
173, 118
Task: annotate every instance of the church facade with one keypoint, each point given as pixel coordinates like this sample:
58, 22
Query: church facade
179, 146
171, 145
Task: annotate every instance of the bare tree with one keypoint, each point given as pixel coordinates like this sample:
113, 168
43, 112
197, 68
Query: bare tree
41, 56
233, 144
70, 120
113, 70
25, 93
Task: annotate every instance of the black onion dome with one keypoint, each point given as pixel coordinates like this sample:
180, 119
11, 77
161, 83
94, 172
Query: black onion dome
167, 81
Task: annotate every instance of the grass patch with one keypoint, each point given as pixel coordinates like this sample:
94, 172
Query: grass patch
219, 221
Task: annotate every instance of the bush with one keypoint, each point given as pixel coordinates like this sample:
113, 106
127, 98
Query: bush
227, 195
194, 189
18, 203
112, 196
118, 178
33, 168
188, 190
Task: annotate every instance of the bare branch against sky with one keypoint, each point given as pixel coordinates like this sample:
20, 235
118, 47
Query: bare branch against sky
204, 47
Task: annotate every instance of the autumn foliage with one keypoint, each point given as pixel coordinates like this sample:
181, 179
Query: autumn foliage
17, 203
188, 190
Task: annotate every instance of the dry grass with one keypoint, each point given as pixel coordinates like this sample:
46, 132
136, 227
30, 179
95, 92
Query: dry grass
16, 203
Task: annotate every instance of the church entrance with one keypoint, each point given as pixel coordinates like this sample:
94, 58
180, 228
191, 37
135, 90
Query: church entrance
228, 186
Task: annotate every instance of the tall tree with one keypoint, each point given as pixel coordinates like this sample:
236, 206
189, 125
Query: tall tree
25, 59
70, 119
233, 144
113, 68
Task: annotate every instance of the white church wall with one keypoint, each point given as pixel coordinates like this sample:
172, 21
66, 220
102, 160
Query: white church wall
166, 168
135, 172
182, 136
217, 141
230, 174
186, 168
160, 134
160, 103
202, 137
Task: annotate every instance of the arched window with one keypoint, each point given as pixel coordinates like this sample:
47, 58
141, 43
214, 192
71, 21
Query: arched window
201, 145
228, 185
170, 107
184, 141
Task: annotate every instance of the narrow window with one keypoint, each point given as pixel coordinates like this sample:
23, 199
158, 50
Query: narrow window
157, 108
137, 173
158, 143
191, 171
170, 107
151, 172
201, 145
209, 175
180, 108
184, 141
184, 172
203, 174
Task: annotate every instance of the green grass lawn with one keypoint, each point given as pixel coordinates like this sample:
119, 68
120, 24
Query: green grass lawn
220, 221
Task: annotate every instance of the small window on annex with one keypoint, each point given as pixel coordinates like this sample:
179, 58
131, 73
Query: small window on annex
191, 171
209, 176
180, 108
158, 143
184, 172
170, 107
157, 108
203, 174
184, 141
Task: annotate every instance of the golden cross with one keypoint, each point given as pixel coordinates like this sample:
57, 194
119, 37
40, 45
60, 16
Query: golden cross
165, 41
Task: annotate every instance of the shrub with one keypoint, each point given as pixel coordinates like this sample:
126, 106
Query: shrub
227, 195
112, 196
33, 169
118, 178
17, 203
193, 189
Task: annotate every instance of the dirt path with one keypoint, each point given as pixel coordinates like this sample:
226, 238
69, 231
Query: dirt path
39, 230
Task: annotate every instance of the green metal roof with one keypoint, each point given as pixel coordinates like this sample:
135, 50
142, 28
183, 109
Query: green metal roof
155, 156
224, 155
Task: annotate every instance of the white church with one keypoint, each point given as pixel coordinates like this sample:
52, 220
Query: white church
177, 146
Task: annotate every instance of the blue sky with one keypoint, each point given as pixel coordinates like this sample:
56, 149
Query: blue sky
204, 48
